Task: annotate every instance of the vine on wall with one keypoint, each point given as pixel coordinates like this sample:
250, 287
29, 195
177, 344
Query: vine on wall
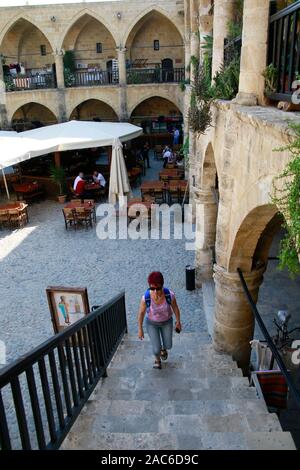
286, 196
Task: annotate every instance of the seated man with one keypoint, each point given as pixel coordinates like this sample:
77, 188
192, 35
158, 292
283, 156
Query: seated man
79, 185
99, 179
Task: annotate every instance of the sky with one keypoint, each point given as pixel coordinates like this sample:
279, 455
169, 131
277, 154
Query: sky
11, 3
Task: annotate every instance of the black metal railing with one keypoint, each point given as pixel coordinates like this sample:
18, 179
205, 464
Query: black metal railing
276, 355
136, 76
95, 78
45, 390
30, 82
284, 50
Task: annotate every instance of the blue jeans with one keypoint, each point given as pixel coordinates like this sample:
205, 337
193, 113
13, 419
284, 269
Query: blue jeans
160, 335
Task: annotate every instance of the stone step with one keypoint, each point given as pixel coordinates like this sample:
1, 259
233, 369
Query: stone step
105, 407
138, 371
209, 388
181, 353
184, 424
162, 441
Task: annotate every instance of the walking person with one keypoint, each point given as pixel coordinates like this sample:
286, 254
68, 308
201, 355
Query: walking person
158, 304
145, 154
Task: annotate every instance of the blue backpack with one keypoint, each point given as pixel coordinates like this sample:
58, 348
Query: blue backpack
148, 297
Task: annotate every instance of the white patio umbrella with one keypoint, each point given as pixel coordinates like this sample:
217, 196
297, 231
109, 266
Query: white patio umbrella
119, 186
16, 149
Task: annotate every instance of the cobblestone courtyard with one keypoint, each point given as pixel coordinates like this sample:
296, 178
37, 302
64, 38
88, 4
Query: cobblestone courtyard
44, 253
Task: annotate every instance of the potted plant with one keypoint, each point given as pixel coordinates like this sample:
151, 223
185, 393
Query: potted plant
58, 175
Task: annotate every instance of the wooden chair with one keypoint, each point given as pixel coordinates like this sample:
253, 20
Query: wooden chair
148, 195
157, 152
17, 218
174, 192
92, 203
159, 196
83, 216
69, 217
4, 219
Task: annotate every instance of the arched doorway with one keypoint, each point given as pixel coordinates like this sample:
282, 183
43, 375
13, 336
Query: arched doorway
207, 202
250, 248
32, 115
158, 117
156, 44
92, 49
167, 70
94, 110
28, 57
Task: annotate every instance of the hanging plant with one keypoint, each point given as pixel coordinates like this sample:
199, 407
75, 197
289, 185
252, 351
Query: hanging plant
199, 116
286, 196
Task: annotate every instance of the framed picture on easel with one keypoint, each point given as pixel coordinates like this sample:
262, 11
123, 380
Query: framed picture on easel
67, 305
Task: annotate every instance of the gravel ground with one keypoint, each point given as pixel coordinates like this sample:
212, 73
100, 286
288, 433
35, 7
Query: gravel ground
43, 253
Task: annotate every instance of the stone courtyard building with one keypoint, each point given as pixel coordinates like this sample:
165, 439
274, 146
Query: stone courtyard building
129, 58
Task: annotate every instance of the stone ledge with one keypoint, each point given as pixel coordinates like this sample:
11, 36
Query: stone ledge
260, 116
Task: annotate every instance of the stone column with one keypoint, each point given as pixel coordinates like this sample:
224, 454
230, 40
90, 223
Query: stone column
59, 66
234, 321
206, 220
122, 65
194, 13
3, 109
61, 90
223, 12
123, 114
205, 23
187, 37
254, 52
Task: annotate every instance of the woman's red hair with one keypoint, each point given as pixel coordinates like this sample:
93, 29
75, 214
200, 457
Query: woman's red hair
156, 278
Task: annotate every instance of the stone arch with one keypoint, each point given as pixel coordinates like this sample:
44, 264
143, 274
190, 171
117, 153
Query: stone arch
20, 42
209, 175
253, 238
148, 96
86, 12
14, 20
144, 15
23, 102
25, 115
154, 24
93, 108
94, 97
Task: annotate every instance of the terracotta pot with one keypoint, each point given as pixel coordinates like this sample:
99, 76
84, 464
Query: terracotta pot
62, 199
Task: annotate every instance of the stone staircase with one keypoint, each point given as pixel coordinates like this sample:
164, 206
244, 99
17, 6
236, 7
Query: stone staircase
198, 400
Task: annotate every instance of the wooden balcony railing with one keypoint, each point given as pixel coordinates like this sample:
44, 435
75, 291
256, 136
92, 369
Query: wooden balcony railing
284, 50
136, 76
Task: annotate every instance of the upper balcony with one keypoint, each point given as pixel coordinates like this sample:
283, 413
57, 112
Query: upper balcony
28, 81
284, 52
90, 55
155, 75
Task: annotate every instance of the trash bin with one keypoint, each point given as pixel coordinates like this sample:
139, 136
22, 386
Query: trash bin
190, 277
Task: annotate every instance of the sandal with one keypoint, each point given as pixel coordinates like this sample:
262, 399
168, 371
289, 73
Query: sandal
157, 365
164, 354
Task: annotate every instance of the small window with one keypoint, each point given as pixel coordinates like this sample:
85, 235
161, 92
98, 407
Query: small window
99, 47
43, 50
156, 45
